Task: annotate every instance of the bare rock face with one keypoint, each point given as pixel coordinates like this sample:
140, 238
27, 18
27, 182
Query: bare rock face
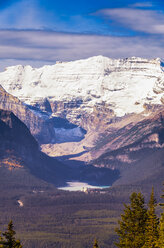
130, 144
39, 126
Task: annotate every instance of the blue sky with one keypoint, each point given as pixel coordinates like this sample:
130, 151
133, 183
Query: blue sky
43, 31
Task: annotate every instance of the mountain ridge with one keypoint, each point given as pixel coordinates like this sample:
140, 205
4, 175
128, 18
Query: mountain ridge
118, 103
87, 84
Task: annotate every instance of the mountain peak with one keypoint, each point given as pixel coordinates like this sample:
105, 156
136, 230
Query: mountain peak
124, 85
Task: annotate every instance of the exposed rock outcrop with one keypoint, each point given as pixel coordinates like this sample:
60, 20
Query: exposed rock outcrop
131, 143
40, 126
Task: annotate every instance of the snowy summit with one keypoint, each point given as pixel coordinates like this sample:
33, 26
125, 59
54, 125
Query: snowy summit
122, 84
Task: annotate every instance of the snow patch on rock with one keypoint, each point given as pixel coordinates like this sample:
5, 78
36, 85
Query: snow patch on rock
20, 203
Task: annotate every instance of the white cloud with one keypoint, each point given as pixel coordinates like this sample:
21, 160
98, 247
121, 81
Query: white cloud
40, 47
148, 21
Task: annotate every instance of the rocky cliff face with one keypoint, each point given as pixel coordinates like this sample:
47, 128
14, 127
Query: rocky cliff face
40, 126
118, 147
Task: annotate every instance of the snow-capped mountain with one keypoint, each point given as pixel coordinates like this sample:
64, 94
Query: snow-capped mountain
110, 111
70, 89
91, 93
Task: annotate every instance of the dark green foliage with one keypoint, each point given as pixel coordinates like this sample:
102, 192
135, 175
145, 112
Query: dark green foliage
9, 236
162, 196
161, 232
1, 242
95, 244
161, 229
52, 218
132, 226
152, 224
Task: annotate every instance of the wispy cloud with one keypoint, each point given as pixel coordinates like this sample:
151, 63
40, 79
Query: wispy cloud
25, 14
24, 39
52, 46
29, 14
142, 5
147, 21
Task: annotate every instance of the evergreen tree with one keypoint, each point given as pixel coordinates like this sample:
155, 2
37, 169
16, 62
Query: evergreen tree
152, 224
1, 241
161, 232
9, 236
162, 196
95, 244
161, 228
132, 226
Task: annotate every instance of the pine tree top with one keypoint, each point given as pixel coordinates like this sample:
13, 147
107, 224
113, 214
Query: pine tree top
95, 244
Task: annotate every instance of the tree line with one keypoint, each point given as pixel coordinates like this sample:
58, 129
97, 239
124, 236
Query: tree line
7, 239
139, 226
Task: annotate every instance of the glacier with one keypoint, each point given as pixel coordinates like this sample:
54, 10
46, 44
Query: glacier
122, 85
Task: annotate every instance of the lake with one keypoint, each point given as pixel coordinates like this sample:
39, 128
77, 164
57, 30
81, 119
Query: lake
80, 186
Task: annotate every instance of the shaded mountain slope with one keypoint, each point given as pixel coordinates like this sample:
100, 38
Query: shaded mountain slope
131, 143
137, 151
145, 174
20, 151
